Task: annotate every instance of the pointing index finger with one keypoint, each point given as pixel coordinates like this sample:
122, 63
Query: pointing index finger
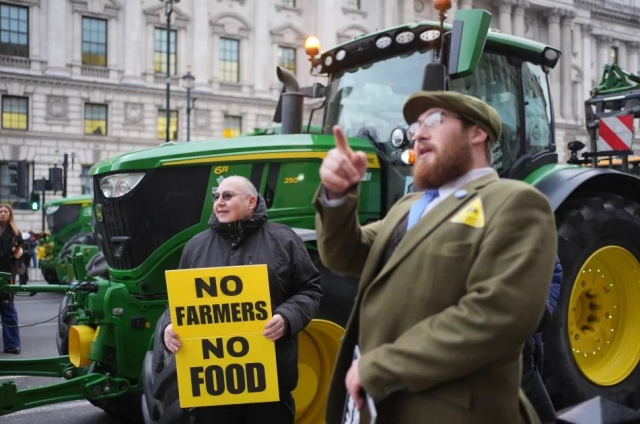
341, 141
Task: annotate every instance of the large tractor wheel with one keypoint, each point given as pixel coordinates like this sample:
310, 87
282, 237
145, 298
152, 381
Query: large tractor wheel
593, 345
126, 408
317, 350
50, 276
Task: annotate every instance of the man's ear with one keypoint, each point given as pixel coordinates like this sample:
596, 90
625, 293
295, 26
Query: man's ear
253, 202
477, 135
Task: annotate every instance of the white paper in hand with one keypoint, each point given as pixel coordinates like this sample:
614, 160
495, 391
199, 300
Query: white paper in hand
351, 414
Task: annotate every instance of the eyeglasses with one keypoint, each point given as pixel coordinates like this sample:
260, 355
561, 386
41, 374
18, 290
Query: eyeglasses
431, 121
227, 195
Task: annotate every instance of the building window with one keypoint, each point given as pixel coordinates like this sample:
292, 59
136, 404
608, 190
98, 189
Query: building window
15, 113
95, 119
160, 52
9, 183
613, 56
232, 126
14, 30
85, 180
94, 42
162, 124
287, 58
288, 3
353, 4
230, 60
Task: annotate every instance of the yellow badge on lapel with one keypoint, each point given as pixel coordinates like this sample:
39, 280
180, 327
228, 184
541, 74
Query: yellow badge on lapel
471, 214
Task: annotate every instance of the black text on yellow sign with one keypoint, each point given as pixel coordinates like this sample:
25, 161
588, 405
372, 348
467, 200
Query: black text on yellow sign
220, 314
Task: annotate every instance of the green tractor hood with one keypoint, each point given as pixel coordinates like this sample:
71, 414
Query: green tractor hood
165, 196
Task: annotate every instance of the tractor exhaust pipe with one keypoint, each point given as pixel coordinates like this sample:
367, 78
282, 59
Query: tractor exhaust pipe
291, 102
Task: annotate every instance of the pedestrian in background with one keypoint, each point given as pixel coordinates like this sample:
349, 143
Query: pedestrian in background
10, 253
533, 356
29, 251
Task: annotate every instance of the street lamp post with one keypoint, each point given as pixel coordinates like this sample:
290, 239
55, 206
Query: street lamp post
168, 10
188, 80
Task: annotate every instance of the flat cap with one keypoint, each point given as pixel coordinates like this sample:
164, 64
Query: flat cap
471, 108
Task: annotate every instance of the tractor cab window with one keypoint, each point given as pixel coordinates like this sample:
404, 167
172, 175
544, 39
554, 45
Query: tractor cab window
537, 109
367, 101
496, 82
59, 217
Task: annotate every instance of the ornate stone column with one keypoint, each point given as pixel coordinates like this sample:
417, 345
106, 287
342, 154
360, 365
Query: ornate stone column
56, 38
623, 55
327, 23
587, 61
604, 47
35, 28
408, 14
134, 42
505, 6
566, 63
633, 57
76, 45
200, 37
518, 17
466, 4
553, 19
263, 57
451, 12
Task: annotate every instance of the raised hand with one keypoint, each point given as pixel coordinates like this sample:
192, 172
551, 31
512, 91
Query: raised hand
342, 168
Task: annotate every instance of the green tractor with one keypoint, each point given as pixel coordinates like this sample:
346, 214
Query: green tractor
66, 219
148, 204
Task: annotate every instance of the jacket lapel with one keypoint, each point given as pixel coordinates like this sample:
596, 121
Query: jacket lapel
391, 222
429, 223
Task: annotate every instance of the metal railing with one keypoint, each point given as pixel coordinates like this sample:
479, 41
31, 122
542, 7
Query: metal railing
95, 71
15, 62
631, 7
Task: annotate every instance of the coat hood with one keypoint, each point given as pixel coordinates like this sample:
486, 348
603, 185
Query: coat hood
236, 230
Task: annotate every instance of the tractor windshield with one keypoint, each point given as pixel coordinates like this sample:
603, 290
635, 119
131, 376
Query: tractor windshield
367, 101
60, 217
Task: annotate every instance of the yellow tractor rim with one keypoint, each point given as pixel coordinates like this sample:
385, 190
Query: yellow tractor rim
317, 352
603, 316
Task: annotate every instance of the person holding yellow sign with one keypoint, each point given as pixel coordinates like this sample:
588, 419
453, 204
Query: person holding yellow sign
240, 234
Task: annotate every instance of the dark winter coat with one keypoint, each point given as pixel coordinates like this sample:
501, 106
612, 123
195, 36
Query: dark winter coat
532, 351
294, 281
7, 240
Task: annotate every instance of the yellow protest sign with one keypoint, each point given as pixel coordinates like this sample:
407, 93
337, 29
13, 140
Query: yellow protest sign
471, 214
219, 314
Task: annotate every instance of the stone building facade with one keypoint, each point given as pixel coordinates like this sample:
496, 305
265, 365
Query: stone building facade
87, 77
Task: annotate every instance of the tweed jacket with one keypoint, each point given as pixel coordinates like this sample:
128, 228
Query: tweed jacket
442, 323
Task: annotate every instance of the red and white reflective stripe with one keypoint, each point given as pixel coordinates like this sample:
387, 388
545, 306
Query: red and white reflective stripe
615, 133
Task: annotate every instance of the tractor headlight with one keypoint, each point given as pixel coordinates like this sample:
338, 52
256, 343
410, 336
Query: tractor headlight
383, 42
405, 37
118, 185
430, 35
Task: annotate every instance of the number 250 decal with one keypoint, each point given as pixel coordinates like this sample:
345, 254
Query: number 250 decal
291, 180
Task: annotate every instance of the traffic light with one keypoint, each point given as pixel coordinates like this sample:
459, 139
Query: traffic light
34, 201
55, 178
22, 179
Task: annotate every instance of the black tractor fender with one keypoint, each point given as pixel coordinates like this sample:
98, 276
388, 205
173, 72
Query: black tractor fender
559, 186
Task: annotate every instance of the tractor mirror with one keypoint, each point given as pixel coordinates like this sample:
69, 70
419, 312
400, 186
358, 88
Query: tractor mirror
469, 34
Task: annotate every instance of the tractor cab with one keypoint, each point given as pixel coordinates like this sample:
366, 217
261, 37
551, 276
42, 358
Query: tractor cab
370, 78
